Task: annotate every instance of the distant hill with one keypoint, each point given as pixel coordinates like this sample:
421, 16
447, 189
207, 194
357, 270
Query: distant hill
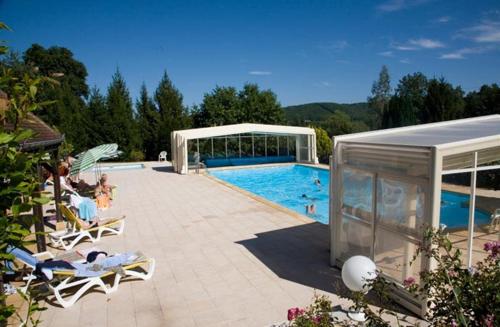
321, 111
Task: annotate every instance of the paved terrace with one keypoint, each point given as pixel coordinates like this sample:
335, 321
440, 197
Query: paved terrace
223, 258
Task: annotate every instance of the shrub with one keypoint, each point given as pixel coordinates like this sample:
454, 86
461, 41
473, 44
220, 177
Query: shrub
136, 155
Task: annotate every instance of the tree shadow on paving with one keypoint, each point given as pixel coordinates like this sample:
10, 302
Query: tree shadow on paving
301, 254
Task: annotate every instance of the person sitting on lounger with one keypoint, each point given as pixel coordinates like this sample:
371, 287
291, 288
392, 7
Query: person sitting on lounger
102, 197
105, 186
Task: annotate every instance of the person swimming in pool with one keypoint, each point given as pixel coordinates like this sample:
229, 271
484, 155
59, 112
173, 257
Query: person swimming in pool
311, 209
305, 196
317, 182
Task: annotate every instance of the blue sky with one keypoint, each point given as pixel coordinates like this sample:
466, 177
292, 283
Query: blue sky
305, 51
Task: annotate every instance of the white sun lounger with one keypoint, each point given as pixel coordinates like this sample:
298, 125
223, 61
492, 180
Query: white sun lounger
71, 236
66, 279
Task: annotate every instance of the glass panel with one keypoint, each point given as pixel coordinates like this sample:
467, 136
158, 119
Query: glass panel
192, 149
395, 160
357, 197
355, 238
283, 151
400, 206
246, 146
458, 161
272, 146
219, 147
304, 154
205, 149
291, 143
394, 253
454, 213
259, 143
489, 157
487, 213
233, 147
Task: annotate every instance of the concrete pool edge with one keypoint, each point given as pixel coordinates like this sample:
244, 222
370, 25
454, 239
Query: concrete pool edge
262, 200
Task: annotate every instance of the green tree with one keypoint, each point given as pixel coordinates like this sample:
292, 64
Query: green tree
122, 129
99, 119
148, 120
486, 101
381, 92
67, 112
442, 102
220, 107
340, 123
258, 106
323, 145
173, 115
413, 88
400, 112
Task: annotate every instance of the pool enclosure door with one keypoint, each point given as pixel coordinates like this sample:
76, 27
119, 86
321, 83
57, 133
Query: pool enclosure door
380, 210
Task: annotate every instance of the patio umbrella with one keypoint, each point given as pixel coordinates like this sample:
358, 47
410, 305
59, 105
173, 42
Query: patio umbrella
88, 159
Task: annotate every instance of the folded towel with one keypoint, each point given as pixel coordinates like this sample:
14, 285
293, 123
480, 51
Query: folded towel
87, 209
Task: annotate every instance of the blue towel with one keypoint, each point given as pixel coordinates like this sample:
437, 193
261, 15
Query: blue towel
87, 209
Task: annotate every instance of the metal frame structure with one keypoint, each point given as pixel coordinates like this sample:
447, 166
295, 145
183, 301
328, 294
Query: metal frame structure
305, 139
412, 159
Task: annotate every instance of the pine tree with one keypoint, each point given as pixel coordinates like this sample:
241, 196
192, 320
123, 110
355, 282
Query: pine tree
122, 127
99, 118
148, 120
381, 93
173, 115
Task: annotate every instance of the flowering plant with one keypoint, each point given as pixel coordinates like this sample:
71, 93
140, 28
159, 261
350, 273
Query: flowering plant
316, 315
456, 295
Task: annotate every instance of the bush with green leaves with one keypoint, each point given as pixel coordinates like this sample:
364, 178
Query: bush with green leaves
18, 180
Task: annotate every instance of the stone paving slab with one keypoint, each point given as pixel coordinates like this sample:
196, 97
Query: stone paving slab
223, 259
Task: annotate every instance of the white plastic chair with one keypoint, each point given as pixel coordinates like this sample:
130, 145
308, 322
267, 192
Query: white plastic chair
162, 156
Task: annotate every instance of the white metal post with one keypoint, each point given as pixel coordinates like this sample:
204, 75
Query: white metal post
198, 146
253, 148
265, 144
472, 209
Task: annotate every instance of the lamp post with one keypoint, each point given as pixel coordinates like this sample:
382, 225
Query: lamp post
356, 272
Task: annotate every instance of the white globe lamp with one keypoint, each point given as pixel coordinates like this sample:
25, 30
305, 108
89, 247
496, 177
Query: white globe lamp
356, 272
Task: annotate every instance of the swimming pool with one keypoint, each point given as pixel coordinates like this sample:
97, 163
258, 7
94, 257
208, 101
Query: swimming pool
116, 167
286, 185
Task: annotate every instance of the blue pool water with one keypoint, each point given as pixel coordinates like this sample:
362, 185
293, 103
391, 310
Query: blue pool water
455, 211
285, 186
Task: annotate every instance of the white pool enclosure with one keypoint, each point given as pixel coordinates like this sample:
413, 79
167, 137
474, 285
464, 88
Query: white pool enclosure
242, 144
388, 186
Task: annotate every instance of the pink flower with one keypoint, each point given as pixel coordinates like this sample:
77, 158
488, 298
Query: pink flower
490, 319
494, 247
294, 313
409, 281
452, 273
453, 323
